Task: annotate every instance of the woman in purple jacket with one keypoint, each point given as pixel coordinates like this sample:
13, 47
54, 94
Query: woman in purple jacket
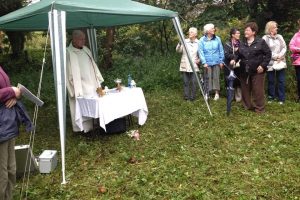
8, 132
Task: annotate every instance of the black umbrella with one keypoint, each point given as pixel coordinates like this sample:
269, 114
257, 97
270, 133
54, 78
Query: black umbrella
230, 90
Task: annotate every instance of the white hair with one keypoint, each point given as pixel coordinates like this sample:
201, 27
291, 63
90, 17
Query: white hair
207, 27
193, 29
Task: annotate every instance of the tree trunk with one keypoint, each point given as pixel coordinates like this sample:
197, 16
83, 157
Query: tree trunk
166, 36
110, 38
16, 40
282, 10
160, 29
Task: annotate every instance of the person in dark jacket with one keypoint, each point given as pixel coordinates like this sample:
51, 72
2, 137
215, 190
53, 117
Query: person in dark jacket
255, 56
12, 114
230, 53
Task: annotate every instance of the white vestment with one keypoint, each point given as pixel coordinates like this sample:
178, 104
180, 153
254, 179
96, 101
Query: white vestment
83, 78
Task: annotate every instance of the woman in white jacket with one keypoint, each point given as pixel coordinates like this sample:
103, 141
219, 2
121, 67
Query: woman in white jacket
277, 45
188, 76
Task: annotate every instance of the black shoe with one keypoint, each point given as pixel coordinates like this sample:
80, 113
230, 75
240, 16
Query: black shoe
77, 133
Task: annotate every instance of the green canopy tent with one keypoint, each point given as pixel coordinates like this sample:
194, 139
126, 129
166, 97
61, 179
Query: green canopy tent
59, 15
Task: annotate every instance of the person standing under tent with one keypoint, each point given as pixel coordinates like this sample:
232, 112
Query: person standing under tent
211, 54
255, 56
295, 49
83, 76
230, 53
277, 45
12, 114
185, 67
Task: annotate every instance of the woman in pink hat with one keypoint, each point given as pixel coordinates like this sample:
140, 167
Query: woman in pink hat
295, 49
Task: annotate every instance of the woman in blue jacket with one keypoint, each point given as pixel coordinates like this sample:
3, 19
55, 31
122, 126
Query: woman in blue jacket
211, 54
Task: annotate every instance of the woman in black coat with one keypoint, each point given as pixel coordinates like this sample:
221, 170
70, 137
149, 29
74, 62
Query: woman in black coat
255, 56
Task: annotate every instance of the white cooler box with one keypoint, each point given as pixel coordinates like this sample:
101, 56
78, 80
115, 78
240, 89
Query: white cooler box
48, 161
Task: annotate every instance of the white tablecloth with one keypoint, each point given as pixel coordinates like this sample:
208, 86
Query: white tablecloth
111, 106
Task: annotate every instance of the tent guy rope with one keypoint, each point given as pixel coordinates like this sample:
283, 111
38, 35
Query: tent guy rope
35, 116
32, 134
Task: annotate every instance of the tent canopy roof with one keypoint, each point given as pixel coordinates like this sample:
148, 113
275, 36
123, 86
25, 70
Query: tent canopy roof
84, 14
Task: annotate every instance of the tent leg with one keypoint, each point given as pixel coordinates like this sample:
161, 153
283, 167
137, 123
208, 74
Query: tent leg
178, 29
57, 25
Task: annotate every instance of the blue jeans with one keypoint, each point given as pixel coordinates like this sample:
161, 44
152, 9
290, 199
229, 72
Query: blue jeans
279, 77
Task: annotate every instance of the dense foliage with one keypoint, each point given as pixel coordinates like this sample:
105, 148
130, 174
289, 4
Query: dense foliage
161, 37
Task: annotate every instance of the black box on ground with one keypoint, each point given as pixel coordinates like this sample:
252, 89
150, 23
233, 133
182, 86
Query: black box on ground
120, 125
117, 126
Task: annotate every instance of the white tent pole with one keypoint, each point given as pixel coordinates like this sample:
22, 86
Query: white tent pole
57, 24
92, 38
178, 29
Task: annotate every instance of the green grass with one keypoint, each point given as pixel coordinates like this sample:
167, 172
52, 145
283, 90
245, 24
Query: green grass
184, 153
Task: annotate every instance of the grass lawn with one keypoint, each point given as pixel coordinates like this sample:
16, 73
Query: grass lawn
183, 154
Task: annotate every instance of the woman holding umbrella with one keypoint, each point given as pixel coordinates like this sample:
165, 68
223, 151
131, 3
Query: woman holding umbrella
231, 70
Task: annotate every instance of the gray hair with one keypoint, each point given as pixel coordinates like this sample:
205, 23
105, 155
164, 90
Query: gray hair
77, 33
207, 27
193, 29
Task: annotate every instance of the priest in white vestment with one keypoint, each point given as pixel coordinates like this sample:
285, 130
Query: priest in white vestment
83, 76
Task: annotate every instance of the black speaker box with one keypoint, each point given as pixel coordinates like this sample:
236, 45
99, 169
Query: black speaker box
117, 126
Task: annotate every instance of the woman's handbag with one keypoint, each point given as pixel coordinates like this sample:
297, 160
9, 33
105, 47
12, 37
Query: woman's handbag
236, 65
279, 65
